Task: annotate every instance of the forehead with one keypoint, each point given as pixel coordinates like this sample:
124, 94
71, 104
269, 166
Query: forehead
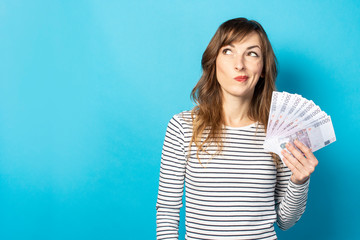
252, 38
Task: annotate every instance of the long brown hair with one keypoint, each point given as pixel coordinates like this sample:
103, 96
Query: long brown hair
207, 115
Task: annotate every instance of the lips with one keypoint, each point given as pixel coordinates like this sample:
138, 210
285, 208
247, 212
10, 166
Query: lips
241, 78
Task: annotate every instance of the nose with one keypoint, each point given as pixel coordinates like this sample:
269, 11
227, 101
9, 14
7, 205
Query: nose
239, 63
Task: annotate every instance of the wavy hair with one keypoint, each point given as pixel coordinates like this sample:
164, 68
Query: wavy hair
207, 115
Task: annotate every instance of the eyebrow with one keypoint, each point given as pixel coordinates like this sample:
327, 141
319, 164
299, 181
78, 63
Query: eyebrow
254, 46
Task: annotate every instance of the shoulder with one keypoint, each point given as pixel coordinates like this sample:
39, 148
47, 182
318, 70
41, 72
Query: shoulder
183, 118
178, 126
181, 123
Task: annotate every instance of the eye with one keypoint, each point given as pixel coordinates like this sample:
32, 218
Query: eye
253, 54
227, 51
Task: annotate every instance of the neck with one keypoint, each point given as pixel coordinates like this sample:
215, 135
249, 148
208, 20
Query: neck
235, 111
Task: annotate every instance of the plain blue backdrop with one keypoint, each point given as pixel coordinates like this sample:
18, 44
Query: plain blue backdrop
87, 88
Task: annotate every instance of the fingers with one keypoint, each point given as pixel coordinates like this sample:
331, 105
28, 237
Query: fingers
298, 155
308, 162
307, 151
301, 163
294, 164
291, 164
299, 173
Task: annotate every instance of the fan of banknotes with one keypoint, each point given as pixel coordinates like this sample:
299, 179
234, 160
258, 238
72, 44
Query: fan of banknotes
294, 117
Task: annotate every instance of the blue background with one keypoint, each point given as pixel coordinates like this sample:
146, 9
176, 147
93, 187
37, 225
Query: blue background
87, 89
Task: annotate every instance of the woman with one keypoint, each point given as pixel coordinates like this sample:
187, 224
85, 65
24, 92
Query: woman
234, 188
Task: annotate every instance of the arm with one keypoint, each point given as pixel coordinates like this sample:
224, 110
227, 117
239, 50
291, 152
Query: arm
171, 182
291, 203
290, 199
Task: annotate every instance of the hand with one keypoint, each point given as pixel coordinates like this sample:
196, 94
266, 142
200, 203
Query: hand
301, 166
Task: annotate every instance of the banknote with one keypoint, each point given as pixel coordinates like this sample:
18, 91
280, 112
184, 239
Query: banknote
315, 137
273, 110
294, 117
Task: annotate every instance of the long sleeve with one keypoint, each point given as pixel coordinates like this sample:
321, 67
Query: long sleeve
290, 199
171, 182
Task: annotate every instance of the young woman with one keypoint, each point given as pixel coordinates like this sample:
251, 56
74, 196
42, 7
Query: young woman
234, 189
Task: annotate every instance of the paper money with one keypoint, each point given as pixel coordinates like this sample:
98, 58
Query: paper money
294, 117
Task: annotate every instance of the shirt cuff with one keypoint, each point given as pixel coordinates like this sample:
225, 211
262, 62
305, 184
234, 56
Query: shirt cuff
302, 186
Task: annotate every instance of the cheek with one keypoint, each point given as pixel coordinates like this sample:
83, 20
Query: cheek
220, 69
257, 71
259, 67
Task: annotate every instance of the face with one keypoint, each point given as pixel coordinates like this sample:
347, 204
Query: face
239, 66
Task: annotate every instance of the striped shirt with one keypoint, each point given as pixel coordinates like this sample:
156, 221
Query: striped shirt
238, 194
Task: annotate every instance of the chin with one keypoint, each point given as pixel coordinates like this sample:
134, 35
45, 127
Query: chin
242, 93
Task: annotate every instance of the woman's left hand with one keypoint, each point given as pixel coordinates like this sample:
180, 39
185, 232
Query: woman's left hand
301, 166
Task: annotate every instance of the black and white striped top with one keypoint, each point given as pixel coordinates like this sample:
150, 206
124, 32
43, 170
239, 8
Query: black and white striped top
236, 195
